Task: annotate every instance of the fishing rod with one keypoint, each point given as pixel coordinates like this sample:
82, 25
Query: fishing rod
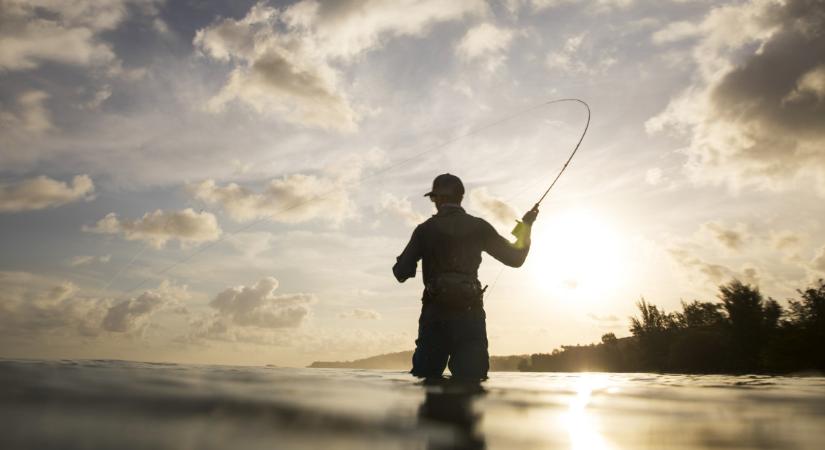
519, 228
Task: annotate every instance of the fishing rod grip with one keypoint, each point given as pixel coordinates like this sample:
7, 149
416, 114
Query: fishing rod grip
519, 229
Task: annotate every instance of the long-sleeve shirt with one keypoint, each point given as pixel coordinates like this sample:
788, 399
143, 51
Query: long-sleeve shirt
452, 241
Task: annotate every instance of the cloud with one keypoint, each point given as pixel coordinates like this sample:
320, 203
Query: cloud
361, 314
252, 244
31, 115
653, 176
818, 261
259, 306
291, 199
676, 31
810, 86
566, 59
133, 315
755, 118
84, 260
252, 314
159, 227
598, 6
296, 197
492, 207
33, 32
573, 58
730, 238
401, 208
43, 192
485, 42
99, 96
33, 305
714, 273
786, 241
286, 61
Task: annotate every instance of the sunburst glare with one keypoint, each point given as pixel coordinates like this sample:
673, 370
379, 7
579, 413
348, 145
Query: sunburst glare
578, 254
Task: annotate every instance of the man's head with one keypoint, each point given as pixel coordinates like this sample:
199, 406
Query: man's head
447, 188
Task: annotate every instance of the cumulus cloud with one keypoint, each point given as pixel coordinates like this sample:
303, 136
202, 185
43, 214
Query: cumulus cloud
810, 85
259, 306
492, 207
401, 208
712, 272
33, 305
133, 315
33, 32
716, 273
286, 60
485, 42
295, 197
573, 58
731, 238
159, 227
252, 314
99, 96
786, 240
593, 5
30, 115
291, 199
361, 314
43, 192
29, 38
755, 118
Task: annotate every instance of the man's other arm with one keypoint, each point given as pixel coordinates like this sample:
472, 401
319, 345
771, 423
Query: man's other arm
509, 253
407, 262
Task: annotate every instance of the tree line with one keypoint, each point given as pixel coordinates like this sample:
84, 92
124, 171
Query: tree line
743, 332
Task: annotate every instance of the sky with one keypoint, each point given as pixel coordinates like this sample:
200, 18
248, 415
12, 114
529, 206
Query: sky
230, 182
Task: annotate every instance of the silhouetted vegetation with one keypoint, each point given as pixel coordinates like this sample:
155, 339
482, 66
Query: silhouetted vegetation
743, 332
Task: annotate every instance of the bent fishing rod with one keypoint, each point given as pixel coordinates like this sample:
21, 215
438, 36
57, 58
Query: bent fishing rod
520, 225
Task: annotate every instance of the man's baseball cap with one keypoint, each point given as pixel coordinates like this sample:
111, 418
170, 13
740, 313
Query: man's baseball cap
446, 184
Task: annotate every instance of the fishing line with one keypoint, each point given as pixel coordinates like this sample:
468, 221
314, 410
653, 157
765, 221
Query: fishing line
564, 167
575, 149
375, 174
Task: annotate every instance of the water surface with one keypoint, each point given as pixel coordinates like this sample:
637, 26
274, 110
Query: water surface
129, 405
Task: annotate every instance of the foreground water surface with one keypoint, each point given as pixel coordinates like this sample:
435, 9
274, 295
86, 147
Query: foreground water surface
129, 405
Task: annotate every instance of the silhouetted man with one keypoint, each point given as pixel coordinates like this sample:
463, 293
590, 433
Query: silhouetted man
452, 325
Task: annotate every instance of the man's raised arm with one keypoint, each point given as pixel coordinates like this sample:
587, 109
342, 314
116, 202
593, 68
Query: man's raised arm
509, 253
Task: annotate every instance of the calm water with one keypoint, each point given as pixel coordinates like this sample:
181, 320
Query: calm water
125, 405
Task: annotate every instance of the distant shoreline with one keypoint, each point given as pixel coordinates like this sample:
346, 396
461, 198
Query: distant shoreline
403, 361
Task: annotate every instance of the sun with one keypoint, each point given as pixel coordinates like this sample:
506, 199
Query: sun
577, 254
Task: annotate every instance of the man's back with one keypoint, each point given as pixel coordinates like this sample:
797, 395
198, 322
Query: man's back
452, 241
452, 328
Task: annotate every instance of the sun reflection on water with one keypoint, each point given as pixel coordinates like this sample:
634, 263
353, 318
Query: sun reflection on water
580, 422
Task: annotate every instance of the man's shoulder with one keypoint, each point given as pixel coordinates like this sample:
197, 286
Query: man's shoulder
459, 215
477, 220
